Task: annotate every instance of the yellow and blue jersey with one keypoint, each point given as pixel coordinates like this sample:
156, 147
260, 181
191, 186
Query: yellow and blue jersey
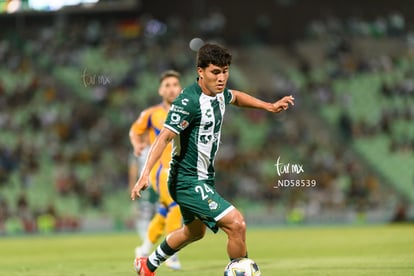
150, 121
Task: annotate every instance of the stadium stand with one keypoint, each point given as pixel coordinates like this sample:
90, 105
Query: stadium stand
371, 106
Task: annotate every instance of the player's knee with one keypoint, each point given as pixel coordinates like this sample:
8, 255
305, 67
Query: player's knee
238, 225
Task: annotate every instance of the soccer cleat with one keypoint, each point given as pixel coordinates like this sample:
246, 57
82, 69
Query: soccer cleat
173, 262
141, 267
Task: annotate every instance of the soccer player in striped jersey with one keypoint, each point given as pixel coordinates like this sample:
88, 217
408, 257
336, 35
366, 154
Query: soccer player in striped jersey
194, 125
143, 132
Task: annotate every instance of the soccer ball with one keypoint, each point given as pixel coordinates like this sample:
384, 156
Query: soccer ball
242, 267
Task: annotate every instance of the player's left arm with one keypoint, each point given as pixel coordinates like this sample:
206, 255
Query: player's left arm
245, 100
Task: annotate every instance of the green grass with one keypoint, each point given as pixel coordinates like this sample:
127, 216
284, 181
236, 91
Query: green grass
335, 250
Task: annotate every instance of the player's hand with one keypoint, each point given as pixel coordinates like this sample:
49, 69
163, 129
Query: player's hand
141, 185
283, 104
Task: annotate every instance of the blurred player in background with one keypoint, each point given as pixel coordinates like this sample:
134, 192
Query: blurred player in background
194, 125
147, 207
143, 133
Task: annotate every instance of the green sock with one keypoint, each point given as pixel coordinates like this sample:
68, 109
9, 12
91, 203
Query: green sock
163, 252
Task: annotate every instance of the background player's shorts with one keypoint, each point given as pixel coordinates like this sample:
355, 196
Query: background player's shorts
152, 196
200, 200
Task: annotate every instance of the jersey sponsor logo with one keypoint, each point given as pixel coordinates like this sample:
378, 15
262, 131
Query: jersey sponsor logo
209, 113
175, 118
208, 125
208, 138
183, 125
184, 101
205, 138
179, 109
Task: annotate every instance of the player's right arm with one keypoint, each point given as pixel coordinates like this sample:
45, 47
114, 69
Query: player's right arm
163, 139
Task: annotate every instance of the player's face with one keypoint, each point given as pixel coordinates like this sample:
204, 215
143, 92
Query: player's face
213, 79
169, 89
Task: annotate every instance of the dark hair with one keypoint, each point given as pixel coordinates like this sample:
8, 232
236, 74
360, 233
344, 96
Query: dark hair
169, 73
213, 54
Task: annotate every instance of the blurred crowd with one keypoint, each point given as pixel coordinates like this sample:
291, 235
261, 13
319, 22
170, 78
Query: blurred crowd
69, 92
365, 76
390, 76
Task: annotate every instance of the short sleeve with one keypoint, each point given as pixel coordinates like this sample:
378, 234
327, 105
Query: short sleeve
228, 96
141, 125
181, 114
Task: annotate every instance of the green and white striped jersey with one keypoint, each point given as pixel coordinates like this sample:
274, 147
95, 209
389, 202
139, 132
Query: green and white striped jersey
197, 119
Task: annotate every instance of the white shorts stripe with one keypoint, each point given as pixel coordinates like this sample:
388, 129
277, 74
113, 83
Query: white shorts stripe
225, 212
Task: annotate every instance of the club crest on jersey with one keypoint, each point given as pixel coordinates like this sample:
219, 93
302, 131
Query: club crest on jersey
221, 101
212, 204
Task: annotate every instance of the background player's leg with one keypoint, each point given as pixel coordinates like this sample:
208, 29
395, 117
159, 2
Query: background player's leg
154, 232
146, 210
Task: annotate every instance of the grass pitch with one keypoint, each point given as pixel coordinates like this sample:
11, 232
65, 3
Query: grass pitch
360, 250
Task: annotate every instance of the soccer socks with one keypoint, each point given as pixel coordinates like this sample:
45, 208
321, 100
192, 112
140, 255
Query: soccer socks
163, 252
